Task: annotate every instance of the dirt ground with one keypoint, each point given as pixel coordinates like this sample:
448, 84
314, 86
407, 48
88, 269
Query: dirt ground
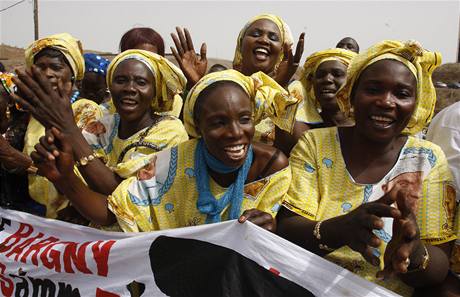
13, 57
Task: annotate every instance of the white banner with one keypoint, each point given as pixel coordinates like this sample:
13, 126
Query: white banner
42, 257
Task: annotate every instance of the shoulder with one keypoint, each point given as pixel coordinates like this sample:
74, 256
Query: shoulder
449, 117
268, 160
426, 149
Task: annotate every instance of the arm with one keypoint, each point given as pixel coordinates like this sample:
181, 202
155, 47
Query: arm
13, 160
52, 109
290, 62
57, 166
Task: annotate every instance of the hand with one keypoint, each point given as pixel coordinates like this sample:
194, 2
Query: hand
290, 63
53, 156
148, 171
260, 218
405, 243
357, 227
50, 107
194, 67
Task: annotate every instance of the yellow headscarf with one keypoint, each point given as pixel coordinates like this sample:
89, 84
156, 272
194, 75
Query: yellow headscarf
286, 37
70, 47
420, 62
169, 80
268, 98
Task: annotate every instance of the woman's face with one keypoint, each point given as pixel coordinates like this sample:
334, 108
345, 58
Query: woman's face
133, 89
384, 100
225, 123
55, 69
328, 78
94, 87
261, 47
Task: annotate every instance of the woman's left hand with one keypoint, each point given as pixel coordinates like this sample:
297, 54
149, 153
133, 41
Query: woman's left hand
290, 63
260, 218
50, 107
405, 247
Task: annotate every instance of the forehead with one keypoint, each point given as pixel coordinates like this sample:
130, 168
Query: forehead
45, 59
388, 71
265, 25
331, 64
133, 67
224, 97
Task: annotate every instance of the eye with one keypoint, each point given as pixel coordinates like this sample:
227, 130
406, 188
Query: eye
372, 90
255, 33
404, 93
119, 80
273, 37
141, 82
56, 67
245, 120
338, 73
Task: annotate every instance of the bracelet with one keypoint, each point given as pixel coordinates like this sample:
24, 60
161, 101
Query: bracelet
424, 264
317, 234
85, 160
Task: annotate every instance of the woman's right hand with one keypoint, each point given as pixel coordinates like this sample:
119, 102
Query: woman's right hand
53, 156
50, 107
356, 227
194, 67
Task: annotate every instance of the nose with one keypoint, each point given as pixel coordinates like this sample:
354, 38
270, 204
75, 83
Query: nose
129, 86
263, 38
387, 100
235, 130
328, 78
49, 73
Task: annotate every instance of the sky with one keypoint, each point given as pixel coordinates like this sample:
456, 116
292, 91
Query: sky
100, 24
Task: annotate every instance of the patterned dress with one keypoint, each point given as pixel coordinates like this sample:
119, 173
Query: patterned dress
323, 189
168, 199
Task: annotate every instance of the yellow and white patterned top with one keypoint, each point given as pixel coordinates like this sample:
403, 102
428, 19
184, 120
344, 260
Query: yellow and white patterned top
323, 189
40, 189
168, 200
126, 156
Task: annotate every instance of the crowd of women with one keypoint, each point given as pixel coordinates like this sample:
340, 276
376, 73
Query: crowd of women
330, 156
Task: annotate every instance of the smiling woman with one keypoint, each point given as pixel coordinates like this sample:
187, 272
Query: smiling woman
373, 198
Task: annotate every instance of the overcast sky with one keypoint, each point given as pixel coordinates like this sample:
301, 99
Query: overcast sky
100, 24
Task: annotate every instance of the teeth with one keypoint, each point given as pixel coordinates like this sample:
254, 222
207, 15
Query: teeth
381, 119
128, 101
234, 148
261, 50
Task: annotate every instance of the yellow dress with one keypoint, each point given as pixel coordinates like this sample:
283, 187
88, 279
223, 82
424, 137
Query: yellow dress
168, 200
308, 110
126, 156
323, 189
40, 189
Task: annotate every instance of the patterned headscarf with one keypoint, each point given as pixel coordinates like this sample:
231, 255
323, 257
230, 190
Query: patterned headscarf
95, 63
169, 80
65, 43
267, 97
420, 62
286, 37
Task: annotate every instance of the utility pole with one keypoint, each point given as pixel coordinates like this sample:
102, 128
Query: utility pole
36, 19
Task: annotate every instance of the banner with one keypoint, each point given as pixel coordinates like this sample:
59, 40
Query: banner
48, 258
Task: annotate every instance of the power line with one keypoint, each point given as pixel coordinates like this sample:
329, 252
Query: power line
19, 2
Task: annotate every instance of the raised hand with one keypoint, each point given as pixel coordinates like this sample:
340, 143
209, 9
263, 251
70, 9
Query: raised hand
290, 63
50, 107
193, 66
53, 156
260, 218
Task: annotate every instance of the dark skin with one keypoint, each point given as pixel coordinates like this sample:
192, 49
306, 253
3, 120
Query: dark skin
348, 43
132, 90
262, 33
383, 100
94, 87
327, 80
236, 128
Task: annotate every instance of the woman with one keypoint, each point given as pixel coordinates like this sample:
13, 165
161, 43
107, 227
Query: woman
371, 196
114, 147
322, 76
264, 44
58, 58
93, 85
221, 175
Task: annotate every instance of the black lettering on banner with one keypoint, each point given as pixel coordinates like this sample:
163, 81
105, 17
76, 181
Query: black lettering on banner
45, 286
4, 222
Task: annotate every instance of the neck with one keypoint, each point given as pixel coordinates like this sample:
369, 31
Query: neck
127, 129
333, 116
368, 149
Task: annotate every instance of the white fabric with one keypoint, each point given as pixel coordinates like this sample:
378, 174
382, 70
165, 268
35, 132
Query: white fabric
444, 130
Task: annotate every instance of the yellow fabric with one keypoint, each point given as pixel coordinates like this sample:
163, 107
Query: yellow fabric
303, 88
40, 189
417, 59
175, 206
322, 188
169, 80
102, 136
285, 38
176, 108
455, 259
269, 100
70, 47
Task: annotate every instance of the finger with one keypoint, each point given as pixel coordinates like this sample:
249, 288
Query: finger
287, 53
269, 226
203, 51
24, 104
400, 261
409, 230
41, 79
369, 238
261, 219
38, 94
177, 57
189, 40
370, 255
247, 214
43, 152
383, 210
299, 48
50, 147
372, 222
64, 144
179, 48
183, 42
36, 157
29, 97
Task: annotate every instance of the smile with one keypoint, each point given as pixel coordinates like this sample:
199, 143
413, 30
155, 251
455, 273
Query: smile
382, 121
261, 53
235, 152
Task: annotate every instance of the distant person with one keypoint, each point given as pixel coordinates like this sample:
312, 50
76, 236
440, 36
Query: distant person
93, 85
2, 67
349, 44
143, 38
217, 67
